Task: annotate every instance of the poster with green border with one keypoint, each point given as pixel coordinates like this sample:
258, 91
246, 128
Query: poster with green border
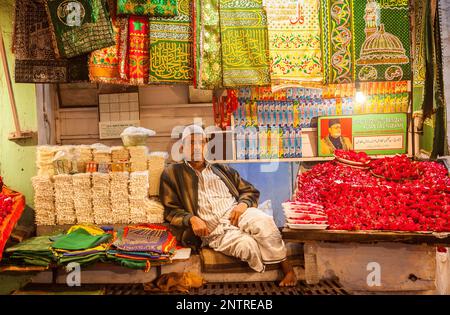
375, 134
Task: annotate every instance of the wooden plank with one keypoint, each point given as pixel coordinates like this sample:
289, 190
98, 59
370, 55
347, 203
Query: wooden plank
401, 267
367, 236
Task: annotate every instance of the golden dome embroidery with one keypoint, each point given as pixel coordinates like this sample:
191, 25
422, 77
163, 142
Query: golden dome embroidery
380, 47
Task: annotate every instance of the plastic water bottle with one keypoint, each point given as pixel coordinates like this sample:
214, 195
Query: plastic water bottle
311, 269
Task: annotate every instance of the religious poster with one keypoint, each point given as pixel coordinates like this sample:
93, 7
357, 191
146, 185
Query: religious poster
375, 134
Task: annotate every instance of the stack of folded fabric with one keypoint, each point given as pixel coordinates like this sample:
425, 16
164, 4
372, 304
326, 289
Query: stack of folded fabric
44, 160
120, 205
138, 196
83, 244
44, 202
65, 211
154, 211
138, 158
35, 251
82, 197
100, 198
156, 164
141, 246
119, 154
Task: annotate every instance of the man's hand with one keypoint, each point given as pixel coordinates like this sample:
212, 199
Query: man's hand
199, 226
237, 212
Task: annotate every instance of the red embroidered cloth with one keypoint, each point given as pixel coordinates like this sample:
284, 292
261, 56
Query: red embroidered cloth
7, 225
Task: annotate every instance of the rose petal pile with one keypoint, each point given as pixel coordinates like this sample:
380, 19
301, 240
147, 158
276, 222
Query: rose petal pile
396, 168
354, 199
359, 157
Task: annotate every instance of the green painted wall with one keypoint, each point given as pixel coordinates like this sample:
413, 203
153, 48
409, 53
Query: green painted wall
17, 159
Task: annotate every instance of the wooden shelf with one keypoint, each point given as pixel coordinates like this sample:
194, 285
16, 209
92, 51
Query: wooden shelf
367, 236
303, 159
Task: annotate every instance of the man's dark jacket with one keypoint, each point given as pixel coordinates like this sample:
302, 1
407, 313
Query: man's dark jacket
179, 195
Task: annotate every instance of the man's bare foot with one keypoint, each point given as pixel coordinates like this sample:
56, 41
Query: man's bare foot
290, 278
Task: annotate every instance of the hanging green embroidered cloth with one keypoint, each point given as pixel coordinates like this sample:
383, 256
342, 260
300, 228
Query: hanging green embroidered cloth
367, 40
104, 63
156, 8
419, 66
337, 37
171, 47
382, 40
245, 53
294, 41
207, 45
79, 27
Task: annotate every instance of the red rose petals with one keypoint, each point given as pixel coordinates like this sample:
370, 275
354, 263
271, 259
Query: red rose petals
416, 199
359, 157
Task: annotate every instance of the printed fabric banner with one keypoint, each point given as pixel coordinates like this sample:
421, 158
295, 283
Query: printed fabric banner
382, 40
366, 40
159, 8
294, 41
79, 27
138, 53
374, 134
337, 37
35, 59
171, 47
245, 50
104, 63
207, 45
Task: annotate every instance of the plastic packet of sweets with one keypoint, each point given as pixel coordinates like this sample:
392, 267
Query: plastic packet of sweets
262, 143
286, 146
298, 143
290, 114
292, 142
240, 142
254, 111
296, 114
284, 113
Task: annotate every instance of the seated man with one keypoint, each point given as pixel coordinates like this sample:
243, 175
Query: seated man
212, 203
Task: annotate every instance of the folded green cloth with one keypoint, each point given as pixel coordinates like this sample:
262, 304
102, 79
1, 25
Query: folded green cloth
82, 260
80, 239
34, 251
129, 263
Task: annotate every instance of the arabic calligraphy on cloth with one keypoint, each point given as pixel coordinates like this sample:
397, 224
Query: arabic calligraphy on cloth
245, 51
171, 47
294, 41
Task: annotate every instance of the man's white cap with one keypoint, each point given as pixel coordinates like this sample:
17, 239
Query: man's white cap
191, 130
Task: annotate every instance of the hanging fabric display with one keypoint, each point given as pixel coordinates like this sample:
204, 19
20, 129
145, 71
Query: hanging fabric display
104, 63
337, 34
32, 45
171, 47
79, 27
122, 47
134, 51
243, 28
156, 8
294, 41
207, 45
382, 41
419, 30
